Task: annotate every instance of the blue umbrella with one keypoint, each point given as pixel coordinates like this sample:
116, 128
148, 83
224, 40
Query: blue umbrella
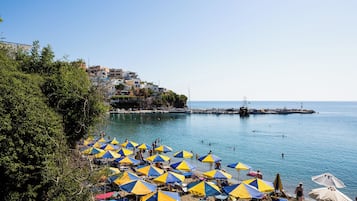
243, 191
138, 187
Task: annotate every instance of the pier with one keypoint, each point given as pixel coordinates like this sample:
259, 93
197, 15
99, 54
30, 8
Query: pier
251, 111
218, 111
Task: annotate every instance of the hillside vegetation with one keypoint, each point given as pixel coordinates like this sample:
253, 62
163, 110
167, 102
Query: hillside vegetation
46, 106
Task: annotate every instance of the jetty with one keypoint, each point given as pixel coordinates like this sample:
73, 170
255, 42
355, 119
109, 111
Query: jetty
243, 111
251, 111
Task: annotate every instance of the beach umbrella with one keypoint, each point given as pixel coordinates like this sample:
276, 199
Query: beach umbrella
182, 165
92, 151
169, 178
278, 185
183, 154
239, 166
127, 161
163, 148
129, 144
161, 196
113, 170
113, 141
328, 194
97, 144
158, 158
101, 140
203, 189
144, 146
217, 174
209, 158
327, 179
109, 147
243, 191
150, 171
138, 187
108, 154
123, 178
125, 152
261, 185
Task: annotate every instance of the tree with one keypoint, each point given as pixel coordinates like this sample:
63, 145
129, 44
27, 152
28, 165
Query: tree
41, 114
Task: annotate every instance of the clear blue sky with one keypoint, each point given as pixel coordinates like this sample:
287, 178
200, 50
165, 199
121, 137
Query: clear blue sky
220, 50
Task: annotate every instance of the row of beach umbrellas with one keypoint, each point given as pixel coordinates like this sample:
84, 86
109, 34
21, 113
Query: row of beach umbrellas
253, 188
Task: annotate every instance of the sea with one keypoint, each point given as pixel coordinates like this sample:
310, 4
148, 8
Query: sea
297, 146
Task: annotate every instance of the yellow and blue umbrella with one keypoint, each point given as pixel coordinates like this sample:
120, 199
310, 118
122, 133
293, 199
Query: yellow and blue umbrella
243, 191
239, 166
203, 189
209, 158
144, 146
261, 185
97, 144
109, 147
169, 178
158, 158
101, 140
123, 178
108, 154
150, 171
161, 196
125, 152
217, 174
278, 185
138, 187
183, 165
163, 148
92, 151
129, 144
127, 161
114, 141
183, 154
114, 170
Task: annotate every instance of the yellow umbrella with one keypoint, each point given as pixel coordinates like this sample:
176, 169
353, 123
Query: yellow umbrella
169, 177
144, 146
114, 141
97, 144
203, 189
109, 147
163, 148
108, 154
125, 152
217, 174
150, 171
261, 185
158, 158
161, 196
138, 187
183, 154
92, 151
277, 183
125, 177
101, 140
129, 144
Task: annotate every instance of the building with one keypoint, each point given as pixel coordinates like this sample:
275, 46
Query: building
116, 73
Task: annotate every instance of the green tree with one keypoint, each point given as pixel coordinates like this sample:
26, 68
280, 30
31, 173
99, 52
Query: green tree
41, 114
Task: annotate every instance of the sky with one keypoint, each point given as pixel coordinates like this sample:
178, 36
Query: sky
303, 50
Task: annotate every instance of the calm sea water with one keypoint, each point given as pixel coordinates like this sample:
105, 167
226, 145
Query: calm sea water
312, 143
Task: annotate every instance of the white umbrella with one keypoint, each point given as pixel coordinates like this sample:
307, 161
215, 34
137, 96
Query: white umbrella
328, 194
327, 179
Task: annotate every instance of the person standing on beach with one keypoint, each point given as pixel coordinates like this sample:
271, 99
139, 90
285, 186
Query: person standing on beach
299, 191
